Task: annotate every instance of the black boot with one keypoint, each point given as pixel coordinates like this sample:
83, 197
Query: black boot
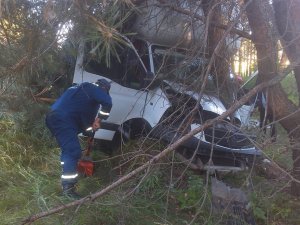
69, 190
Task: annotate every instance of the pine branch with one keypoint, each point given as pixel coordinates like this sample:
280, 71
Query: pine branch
203, 19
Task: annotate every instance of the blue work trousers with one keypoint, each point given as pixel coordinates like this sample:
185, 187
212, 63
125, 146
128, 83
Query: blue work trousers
65, 133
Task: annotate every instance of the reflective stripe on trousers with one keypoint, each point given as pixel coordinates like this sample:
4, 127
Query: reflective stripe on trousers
68, 178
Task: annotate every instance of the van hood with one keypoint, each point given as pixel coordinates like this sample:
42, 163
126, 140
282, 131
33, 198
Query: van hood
208, 102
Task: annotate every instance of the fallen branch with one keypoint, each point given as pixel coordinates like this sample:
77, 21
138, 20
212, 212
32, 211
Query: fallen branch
198, 165
48, 100
164, 153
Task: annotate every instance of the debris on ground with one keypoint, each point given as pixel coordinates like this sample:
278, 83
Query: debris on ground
231, 203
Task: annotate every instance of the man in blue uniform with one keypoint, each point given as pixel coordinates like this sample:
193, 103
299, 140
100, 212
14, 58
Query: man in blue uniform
74, 112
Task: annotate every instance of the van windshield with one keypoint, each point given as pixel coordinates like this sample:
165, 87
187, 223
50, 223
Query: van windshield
176, 65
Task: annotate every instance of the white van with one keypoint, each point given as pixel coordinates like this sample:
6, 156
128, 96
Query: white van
153, 90
154, 86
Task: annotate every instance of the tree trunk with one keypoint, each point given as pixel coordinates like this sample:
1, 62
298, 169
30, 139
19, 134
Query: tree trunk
220, 70
287, 18
279, 104
240, 62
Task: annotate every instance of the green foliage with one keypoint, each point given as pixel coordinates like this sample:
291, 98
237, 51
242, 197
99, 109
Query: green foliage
30, 58
289, 85
281, 212
272, 209
104, 31
259, 208
28, 170
30, 120
151, 182
190, 197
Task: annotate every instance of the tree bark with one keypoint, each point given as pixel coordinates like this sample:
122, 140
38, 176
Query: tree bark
287, 19
279, 104
220, 70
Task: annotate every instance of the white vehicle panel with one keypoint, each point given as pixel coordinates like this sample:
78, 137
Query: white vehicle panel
199, 135
157, 104
105, 134
213, 104
127, 103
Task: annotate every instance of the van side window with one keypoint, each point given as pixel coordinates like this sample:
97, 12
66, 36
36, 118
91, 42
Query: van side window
113, 70
126, 69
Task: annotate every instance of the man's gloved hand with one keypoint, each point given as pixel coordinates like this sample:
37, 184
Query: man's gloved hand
91, 130
96, 124
88, 133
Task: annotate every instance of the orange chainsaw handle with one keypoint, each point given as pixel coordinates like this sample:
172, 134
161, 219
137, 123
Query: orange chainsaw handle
90, 143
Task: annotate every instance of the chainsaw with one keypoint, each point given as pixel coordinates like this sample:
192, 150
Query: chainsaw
85, 164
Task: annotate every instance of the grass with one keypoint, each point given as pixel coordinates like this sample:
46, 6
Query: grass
270, 194
28, 169
29, 182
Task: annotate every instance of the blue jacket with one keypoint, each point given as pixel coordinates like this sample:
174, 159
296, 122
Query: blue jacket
79, 105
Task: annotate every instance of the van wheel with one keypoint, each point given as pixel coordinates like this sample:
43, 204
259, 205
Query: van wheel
134, 129
104, 146
117, 142
111, 147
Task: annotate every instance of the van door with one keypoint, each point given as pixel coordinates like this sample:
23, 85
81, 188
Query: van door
127, 76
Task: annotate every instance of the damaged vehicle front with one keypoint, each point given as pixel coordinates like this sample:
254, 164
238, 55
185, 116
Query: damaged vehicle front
156, 77
181, 81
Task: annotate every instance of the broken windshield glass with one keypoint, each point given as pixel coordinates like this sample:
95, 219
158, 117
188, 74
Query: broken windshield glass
177, 66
